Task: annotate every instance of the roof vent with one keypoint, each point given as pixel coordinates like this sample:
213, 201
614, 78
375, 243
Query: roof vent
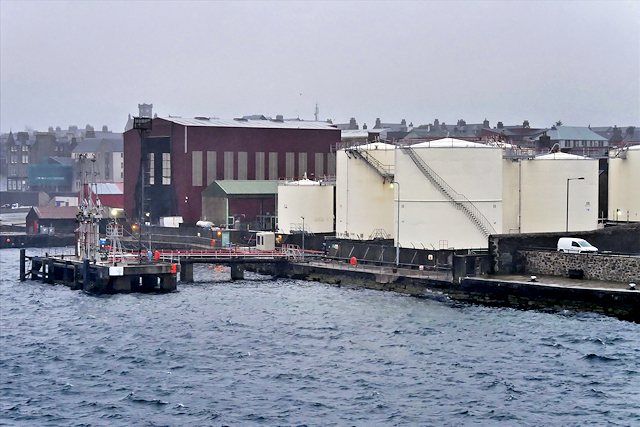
202, 118
280, 118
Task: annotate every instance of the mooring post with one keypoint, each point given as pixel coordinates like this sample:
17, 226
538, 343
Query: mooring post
23, 275
237, 271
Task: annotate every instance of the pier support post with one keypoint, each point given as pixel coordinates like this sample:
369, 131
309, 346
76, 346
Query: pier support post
168, 282
49, 270
23, 275
186, 272
85, 274
237, 271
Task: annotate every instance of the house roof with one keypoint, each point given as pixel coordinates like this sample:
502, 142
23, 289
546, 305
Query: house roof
55, 212
63, 160
87, 145
115, 144
248, 123
241, 188
574, 133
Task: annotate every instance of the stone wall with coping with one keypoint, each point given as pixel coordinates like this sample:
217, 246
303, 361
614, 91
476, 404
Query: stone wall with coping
597, 267
505, 248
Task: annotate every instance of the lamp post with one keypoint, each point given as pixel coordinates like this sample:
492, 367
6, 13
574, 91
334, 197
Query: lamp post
567, 219
398, 225
302, 237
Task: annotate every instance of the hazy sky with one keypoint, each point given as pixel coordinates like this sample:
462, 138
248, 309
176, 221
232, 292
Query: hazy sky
92, 62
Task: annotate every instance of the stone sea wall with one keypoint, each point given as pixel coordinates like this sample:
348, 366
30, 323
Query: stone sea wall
598, 267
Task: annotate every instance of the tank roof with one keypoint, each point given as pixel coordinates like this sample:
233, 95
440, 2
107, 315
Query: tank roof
376, 146
561, 156
450, 143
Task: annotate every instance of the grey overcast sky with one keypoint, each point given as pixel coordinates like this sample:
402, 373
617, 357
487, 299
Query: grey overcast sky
92, 62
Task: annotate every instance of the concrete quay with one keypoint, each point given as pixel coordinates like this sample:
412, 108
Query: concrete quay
517, 291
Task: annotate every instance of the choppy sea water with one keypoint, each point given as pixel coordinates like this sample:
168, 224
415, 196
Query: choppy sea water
263, 352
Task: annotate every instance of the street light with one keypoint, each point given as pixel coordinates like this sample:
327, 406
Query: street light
567, 221
398, 225
302, 238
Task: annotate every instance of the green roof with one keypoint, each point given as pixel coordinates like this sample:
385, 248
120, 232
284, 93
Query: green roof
245, 189
573, 133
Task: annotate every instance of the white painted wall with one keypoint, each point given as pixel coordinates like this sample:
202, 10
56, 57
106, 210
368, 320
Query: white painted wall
427, 217
543, 194
314, 202
118, 167
624, 186
510, 195
364, 202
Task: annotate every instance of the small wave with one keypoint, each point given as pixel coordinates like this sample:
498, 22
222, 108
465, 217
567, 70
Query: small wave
597, 358
150, 402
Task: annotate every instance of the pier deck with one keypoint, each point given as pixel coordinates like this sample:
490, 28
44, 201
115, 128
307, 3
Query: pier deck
101, 277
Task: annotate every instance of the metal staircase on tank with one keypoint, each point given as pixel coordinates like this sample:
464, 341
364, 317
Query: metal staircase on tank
457, 199
385, 171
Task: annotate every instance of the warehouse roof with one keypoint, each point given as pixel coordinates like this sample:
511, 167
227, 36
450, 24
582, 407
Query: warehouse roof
55, 212
103, 188
241, 188
244, 123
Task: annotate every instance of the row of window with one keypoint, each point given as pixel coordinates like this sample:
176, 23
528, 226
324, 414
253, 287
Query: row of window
14, 159
573, 143
14, 148
166, 168
17, 184
266, 166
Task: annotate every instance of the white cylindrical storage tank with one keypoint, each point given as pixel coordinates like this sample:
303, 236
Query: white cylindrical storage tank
470, 175
364, 201
624, 185
312, 200
547, 183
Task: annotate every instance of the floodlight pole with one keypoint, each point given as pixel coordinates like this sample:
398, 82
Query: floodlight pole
567, 218
143, 126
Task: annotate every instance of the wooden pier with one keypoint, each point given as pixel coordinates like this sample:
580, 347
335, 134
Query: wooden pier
101, 277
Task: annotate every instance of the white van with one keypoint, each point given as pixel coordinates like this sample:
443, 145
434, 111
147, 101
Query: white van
575, 246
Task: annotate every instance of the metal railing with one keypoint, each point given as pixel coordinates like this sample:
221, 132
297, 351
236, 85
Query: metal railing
457, 199
385, 171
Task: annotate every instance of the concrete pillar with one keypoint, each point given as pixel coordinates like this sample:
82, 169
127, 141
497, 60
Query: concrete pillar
168, 282
121, 283
186, 272
237, 271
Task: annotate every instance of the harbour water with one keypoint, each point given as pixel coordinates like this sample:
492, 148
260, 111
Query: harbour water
288, 353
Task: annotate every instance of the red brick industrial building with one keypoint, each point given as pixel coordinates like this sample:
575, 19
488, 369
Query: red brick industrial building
187, 155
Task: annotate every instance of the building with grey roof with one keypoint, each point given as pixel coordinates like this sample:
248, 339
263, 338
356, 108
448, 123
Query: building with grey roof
578, 140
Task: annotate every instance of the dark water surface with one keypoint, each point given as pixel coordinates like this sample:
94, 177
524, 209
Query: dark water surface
287, 352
